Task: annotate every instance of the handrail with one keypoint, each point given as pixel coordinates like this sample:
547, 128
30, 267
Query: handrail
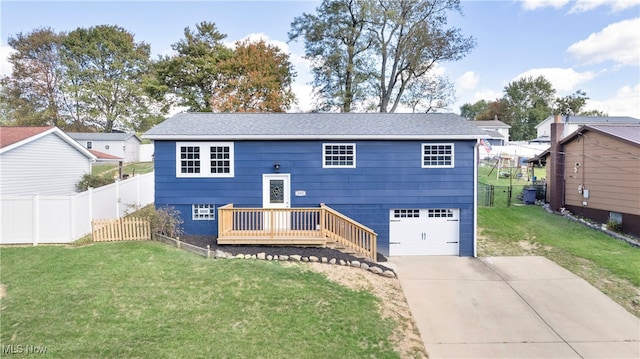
349, 233
304, 226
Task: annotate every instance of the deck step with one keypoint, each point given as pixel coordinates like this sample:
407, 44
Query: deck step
337, 246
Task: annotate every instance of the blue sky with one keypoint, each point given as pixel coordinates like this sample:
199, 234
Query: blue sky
590, 45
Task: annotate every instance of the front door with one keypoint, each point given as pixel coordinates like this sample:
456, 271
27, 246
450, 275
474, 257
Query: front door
276, 193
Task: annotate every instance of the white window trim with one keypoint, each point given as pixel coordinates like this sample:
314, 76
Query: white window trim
324, 158
453, 152
205, 153
211, 208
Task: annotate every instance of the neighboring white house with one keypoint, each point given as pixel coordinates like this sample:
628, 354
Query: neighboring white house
497, 131
41, 160
572, 123
123, 145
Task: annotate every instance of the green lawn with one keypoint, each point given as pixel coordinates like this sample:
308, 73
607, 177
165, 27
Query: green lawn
611, 265
489, 175
147, 300
110, 169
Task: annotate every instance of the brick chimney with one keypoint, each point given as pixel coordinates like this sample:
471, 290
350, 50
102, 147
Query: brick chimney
555, 185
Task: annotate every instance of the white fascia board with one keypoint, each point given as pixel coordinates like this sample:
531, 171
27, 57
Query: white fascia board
56, 131
27, 140
308, 137
74, 143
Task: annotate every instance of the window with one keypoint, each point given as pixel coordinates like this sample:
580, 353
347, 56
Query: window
437, 155
204, 159
440, 213
89, 144
220, 159
406, 213
203, 212
335, 155
106, 147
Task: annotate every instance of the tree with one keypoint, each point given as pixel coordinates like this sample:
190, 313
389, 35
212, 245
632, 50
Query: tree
530, 101
104, 73
336, 41
380, 49
496, 110
411, 39
593, 113
526, 103
571, 104
192, 73
256, 78
472, 111
429, 93
31, 95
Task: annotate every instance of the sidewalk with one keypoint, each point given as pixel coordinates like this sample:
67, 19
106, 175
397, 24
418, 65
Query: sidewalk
512, 307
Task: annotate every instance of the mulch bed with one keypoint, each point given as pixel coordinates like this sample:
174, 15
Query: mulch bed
203, 241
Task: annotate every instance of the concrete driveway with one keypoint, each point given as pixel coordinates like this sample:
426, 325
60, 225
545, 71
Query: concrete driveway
512, 307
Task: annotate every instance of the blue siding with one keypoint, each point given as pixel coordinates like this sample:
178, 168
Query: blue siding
388, 175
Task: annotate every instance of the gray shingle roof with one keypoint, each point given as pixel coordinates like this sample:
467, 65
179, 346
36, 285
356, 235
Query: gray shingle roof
601, 120
238, 126
100, 136
629, 133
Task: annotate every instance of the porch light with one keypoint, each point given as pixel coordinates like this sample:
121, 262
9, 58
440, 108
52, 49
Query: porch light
276, 167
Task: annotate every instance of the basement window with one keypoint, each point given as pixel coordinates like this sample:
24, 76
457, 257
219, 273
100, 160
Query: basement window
203, 212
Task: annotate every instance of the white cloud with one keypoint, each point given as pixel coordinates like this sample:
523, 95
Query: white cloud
468, 81
626, 102
616, 5
618, 42
562, 80
487, 95
580, 5
5, 65
255, 37
538, 4
304, 95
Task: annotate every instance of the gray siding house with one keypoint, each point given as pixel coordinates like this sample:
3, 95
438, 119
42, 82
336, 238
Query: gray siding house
497, 131
41, 160
122, 145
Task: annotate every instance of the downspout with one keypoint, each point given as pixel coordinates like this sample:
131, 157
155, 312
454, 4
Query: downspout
475, 197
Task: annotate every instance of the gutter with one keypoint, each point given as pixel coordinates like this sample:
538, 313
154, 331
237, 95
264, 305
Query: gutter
476, 153
240, 137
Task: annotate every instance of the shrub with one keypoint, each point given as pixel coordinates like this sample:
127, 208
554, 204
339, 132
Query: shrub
93, 181
614, 226
164, 220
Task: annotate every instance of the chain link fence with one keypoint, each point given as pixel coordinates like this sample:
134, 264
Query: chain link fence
505, 196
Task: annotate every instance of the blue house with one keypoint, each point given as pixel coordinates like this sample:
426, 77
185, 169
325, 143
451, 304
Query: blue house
411, 178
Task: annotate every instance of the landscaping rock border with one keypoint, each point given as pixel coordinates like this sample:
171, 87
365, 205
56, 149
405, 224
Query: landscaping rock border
272, 253
599, 227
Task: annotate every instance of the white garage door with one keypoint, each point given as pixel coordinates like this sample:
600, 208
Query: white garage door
431, 231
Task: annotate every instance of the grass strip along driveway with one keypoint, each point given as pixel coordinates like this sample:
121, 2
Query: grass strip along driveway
611, 265
147, 300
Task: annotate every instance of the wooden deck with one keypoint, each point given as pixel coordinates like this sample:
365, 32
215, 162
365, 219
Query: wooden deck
320, 227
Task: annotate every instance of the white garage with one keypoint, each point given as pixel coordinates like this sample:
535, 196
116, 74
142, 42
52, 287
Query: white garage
426, 231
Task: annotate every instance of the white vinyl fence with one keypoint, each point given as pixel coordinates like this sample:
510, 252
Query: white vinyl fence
64, 219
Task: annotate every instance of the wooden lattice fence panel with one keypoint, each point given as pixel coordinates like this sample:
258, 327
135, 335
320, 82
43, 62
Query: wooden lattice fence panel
121, 229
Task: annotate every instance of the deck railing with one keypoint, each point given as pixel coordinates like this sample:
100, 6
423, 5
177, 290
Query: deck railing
321, 226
